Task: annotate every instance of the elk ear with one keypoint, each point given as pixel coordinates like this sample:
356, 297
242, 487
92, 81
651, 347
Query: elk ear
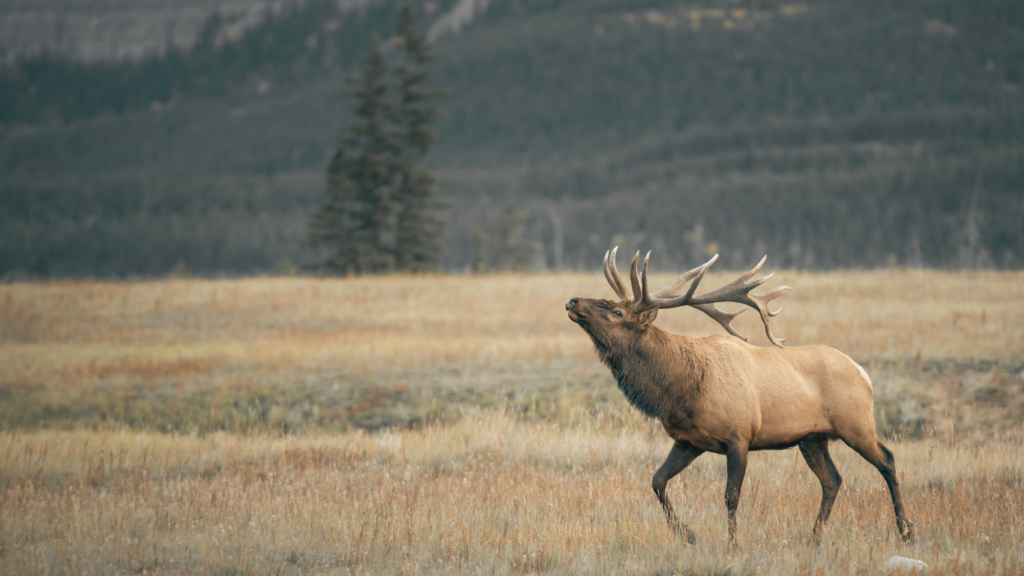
646, 318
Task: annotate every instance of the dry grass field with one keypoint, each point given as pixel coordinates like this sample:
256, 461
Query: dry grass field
452, 424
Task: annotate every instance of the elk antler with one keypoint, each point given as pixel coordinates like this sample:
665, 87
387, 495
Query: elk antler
612, 275
738, 291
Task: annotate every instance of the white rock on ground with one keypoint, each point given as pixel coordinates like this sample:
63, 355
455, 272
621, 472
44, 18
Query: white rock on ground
901, 563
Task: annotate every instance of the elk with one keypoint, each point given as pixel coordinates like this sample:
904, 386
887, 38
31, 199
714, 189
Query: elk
719, 394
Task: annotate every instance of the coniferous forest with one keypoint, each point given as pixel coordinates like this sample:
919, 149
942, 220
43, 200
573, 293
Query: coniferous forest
825, 134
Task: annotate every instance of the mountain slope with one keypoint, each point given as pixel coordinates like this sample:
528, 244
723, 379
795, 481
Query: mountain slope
827, 133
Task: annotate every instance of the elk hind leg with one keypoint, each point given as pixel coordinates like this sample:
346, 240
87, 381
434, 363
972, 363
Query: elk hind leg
815, 453
881, 457
736, 468
681, 455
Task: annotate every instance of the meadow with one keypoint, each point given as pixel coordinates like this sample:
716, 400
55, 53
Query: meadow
461, 424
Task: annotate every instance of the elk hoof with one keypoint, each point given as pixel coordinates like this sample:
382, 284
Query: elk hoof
684, 531
906, 530
818, 534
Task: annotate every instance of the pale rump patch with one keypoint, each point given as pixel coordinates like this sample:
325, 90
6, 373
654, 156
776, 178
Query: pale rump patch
861, 370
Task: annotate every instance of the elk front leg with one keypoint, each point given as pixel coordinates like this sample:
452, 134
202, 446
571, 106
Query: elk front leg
681, 455
736, 465
815, 452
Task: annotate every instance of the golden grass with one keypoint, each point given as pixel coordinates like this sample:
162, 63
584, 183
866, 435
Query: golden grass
489, 494
553, 477
408, 321
265, 350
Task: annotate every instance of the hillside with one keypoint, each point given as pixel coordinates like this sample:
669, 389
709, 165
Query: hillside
826, 134
112, 29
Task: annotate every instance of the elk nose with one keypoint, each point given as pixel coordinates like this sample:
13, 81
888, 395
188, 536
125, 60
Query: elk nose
570, 303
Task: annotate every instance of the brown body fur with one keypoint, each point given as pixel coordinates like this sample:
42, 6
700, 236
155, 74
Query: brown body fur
720, 394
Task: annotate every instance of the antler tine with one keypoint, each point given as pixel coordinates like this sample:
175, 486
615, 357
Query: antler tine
754, 270
645, 291
676, 288
765, 297
739, 291
722, 317
612, 275
762, 306
607, 276
642, 294
635, 281
697, 274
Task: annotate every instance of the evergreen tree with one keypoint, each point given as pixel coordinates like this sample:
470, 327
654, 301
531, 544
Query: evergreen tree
418, 244
358, 221
381, 209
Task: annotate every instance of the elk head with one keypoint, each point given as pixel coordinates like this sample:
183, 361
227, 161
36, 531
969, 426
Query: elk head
616, 324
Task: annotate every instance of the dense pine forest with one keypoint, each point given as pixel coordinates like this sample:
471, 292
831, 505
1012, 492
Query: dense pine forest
826, 134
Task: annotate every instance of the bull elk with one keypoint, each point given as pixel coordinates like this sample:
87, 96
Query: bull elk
719, 394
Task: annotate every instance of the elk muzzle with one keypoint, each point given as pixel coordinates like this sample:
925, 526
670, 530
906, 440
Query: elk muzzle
570, 306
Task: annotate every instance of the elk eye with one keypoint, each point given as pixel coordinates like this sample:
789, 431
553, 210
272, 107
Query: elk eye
617, 313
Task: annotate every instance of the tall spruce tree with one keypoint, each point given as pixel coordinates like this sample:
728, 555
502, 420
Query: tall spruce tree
359, 220
418, 245
381, 209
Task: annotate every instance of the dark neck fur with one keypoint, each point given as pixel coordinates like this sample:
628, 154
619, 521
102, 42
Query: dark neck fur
658, 373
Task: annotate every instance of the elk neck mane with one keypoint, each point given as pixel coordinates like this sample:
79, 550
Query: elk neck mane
658, 372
